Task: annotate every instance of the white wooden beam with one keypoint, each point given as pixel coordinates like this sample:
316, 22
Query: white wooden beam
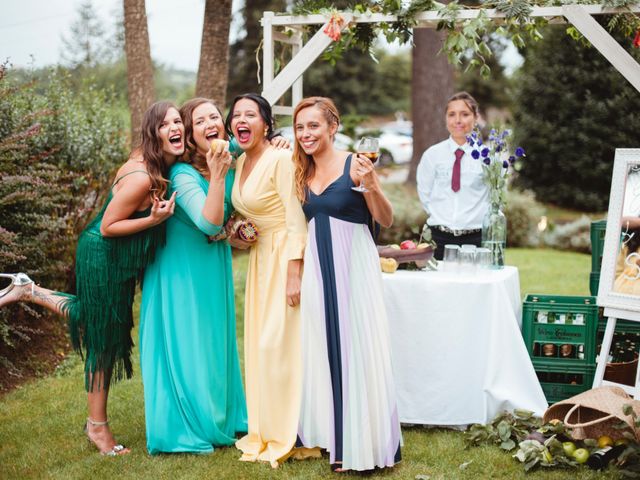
304, 56
604, 43
296, 88
273, 90
282, 110
268, 52
284, 38
431, 18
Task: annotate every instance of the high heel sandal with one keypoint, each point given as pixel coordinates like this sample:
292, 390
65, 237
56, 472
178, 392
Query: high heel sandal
116, 450
17, 280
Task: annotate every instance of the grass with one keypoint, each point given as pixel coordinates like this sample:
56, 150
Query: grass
40, 423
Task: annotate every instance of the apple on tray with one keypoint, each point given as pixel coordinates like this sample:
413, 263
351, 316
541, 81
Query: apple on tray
408, 245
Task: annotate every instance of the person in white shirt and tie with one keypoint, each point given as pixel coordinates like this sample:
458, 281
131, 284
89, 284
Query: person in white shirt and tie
450, 182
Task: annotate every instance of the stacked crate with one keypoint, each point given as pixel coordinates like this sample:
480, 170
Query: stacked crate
598, 230
560, 335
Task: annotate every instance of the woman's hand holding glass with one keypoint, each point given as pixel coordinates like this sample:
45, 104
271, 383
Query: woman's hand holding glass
367, 154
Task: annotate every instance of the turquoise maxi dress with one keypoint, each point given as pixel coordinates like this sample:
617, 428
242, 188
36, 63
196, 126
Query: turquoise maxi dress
194, 400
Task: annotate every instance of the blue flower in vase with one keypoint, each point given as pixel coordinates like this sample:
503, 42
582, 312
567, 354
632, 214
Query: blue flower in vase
512, 159
519, 152
479, 142
485, 152
487, 161
505, 164
475, 154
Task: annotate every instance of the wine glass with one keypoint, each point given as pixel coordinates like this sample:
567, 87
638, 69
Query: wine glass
370, 148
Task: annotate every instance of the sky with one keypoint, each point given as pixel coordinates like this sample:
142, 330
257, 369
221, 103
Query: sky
35, 27
31, 30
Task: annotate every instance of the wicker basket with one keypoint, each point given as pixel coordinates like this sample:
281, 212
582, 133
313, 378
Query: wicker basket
623, 372
595, 412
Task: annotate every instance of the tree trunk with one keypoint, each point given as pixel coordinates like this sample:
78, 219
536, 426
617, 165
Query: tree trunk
141, 90
431, 86
214, 52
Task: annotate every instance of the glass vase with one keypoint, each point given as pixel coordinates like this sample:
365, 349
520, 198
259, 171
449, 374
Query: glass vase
494, 235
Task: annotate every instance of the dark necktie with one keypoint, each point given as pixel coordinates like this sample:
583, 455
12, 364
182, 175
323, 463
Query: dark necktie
455, 176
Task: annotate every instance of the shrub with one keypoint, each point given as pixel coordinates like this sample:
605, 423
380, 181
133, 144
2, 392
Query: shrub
574, 236
572, 110
408, 214
523, 214
57, 152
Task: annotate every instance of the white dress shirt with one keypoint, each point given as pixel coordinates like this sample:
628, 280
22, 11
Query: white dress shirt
459, 210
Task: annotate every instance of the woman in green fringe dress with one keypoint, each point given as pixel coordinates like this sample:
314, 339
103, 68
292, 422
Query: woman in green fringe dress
112, 251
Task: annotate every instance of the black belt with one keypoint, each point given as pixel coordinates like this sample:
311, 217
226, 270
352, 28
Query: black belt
457, 232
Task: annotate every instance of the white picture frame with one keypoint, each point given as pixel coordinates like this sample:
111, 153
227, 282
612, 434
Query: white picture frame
616, 303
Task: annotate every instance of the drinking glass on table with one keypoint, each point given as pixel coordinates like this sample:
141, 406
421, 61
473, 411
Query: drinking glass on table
483, 257
450, 257
370, 148
467, 259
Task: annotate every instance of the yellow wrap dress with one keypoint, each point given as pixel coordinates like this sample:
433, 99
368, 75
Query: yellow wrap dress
272, 345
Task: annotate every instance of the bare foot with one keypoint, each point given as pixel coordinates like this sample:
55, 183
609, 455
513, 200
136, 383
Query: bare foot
102, 438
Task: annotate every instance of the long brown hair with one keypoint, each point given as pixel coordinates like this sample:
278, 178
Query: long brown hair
191, 155
151, 146
305, 166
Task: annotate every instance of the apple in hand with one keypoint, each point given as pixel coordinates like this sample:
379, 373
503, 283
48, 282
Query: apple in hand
408, 245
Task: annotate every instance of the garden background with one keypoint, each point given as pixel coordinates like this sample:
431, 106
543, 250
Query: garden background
65, 128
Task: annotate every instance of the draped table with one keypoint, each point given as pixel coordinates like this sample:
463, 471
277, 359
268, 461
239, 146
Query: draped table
458, 353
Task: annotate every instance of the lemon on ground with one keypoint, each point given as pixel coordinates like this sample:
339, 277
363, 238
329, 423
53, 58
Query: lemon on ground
605, 441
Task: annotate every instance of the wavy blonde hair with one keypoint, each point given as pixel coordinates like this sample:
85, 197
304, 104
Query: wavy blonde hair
305, 166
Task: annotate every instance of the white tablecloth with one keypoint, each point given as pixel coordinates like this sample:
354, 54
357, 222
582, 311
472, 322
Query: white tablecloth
458, 353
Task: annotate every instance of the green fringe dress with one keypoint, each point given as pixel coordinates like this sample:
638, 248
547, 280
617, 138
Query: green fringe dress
100, 314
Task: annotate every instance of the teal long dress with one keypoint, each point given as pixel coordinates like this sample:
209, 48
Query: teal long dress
194, 400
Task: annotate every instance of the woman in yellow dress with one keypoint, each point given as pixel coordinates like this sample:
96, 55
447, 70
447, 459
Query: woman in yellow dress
264, 191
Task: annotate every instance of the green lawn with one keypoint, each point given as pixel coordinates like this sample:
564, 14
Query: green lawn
40, 423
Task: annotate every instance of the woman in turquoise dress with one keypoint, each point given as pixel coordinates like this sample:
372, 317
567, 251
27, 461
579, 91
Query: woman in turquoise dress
194, 400
111, 253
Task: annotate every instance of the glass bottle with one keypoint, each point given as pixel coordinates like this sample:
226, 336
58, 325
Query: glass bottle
494, 234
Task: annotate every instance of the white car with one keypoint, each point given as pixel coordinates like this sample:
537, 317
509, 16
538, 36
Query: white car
341, 141
396, 143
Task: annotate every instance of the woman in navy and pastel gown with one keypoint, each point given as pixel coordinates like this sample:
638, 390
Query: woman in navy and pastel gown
349, 402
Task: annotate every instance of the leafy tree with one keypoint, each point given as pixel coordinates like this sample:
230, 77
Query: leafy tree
85, 45
572, 110
359, 85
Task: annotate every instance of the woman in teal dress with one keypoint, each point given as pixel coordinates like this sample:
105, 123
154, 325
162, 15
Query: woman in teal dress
194, 400
111, 253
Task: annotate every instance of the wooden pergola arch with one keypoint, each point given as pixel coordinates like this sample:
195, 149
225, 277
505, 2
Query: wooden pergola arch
303, 55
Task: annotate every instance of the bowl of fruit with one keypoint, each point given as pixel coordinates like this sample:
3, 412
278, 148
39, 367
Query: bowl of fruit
407, 252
